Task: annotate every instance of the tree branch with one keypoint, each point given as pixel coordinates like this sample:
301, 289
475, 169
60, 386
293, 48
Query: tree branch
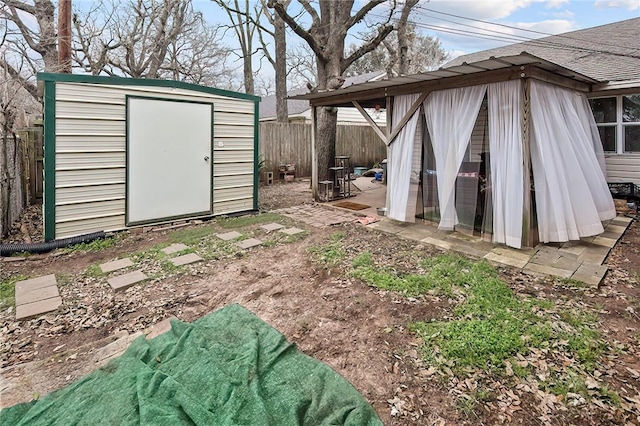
311, 11
383, 32
363, 12
302, 33
21, 6
15, 74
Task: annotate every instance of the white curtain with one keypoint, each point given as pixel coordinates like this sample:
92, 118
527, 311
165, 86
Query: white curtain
507, 164
589, 123
572, 196
400, 153
451, 115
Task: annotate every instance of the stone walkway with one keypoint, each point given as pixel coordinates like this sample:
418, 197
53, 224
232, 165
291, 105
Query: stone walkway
580, 260
318, 215
40, 295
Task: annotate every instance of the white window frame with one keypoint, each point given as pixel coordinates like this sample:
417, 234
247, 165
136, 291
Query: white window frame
619, 124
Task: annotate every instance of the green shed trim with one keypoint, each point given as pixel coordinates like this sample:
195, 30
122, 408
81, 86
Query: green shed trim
256, 138
49, 160
122, 81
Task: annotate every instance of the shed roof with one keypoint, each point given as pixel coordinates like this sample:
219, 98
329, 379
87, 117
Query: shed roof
377, 90
606, 53
125, 81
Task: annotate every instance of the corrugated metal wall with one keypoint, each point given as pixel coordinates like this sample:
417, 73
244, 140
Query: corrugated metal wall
90, 183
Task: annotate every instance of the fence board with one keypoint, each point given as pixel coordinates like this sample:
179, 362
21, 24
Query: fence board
282, 143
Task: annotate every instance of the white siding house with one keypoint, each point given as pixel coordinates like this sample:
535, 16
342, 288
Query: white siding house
126, 152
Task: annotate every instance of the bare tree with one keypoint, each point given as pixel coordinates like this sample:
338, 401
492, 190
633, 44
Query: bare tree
331, 20
30, 40
279, 61
423, 53
243, 22
152, 39
11, 188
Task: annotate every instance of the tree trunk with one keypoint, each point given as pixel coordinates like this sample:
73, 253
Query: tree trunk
44, 13
329, 78
403, 42
4, 187
282, 111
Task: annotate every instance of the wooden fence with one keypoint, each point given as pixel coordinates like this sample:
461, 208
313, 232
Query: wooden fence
291, 144
32, 163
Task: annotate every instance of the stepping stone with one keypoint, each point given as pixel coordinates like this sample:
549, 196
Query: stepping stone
229, 236
446, 245
506, 260
185, 259
34, 309
251, 242
36, 296
292, 231
606, 242
116, 264
272, 226
590, 274
174, 248
26, 297
34, 283
121, 282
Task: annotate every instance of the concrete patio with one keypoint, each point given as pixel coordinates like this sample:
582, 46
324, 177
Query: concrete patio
579, 260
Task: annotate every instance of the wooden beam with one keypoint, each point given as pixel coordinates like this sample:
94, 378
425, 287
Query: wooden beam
371, 122
529, 234
558, 80
505, 74
314, 155
407, 117
389, 100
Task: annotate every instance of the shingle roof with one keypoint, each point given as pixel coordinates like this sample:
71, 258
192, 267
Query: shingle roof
606, 53
268, 103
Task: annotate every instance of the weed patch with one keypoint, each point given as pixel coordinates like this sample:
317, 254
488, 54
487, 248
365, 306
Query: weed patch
329, 254
8, 291
94, 271
191, 235
248, 220
492, 328
94, 246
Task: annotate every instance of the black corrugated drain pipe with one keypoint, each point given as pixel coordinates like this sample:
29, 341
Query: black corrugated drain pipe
9, 249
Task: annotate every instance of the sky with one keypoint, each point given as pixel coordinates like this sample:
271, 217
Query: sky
544, 16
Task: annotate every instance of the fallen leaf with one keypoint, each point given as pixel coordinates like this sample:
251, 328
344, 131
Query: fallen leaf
591, 383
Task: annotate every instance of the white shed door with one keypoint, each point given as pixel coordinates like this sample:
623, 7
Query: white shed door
168, 159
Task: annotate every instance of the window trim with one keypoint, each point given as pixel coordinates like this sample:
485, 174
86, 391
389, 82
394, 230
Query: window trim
619, 124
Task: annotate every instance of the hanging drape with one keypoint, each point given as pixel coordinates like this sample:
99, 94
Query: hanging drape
450, 116
589, 123
507, 165
400, 161
571, 192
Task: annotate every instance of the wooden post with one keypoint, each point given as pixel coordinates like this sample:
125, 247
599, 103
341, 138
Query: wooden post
314, 155
389, 108
529, 237
64, 36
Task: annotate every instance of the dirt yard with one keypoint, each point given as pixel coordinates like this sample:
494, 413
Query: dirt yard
311, 289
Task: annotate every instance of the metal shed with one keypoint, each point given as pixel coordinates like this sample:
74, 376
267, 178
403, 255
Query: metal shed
123, 152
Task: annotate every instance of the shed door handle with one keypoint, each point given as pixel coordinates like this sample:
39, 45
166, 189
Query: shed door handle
206, 158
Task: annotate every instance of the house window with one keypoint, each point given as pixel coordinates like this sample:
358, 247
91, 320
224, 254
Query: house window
618, 121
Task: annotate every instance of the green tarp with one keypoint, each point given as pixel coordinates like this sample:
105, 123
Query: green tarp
228, 368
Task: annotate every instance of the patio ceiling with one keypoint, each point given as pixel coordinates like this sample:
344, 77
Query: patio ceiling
493, 69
